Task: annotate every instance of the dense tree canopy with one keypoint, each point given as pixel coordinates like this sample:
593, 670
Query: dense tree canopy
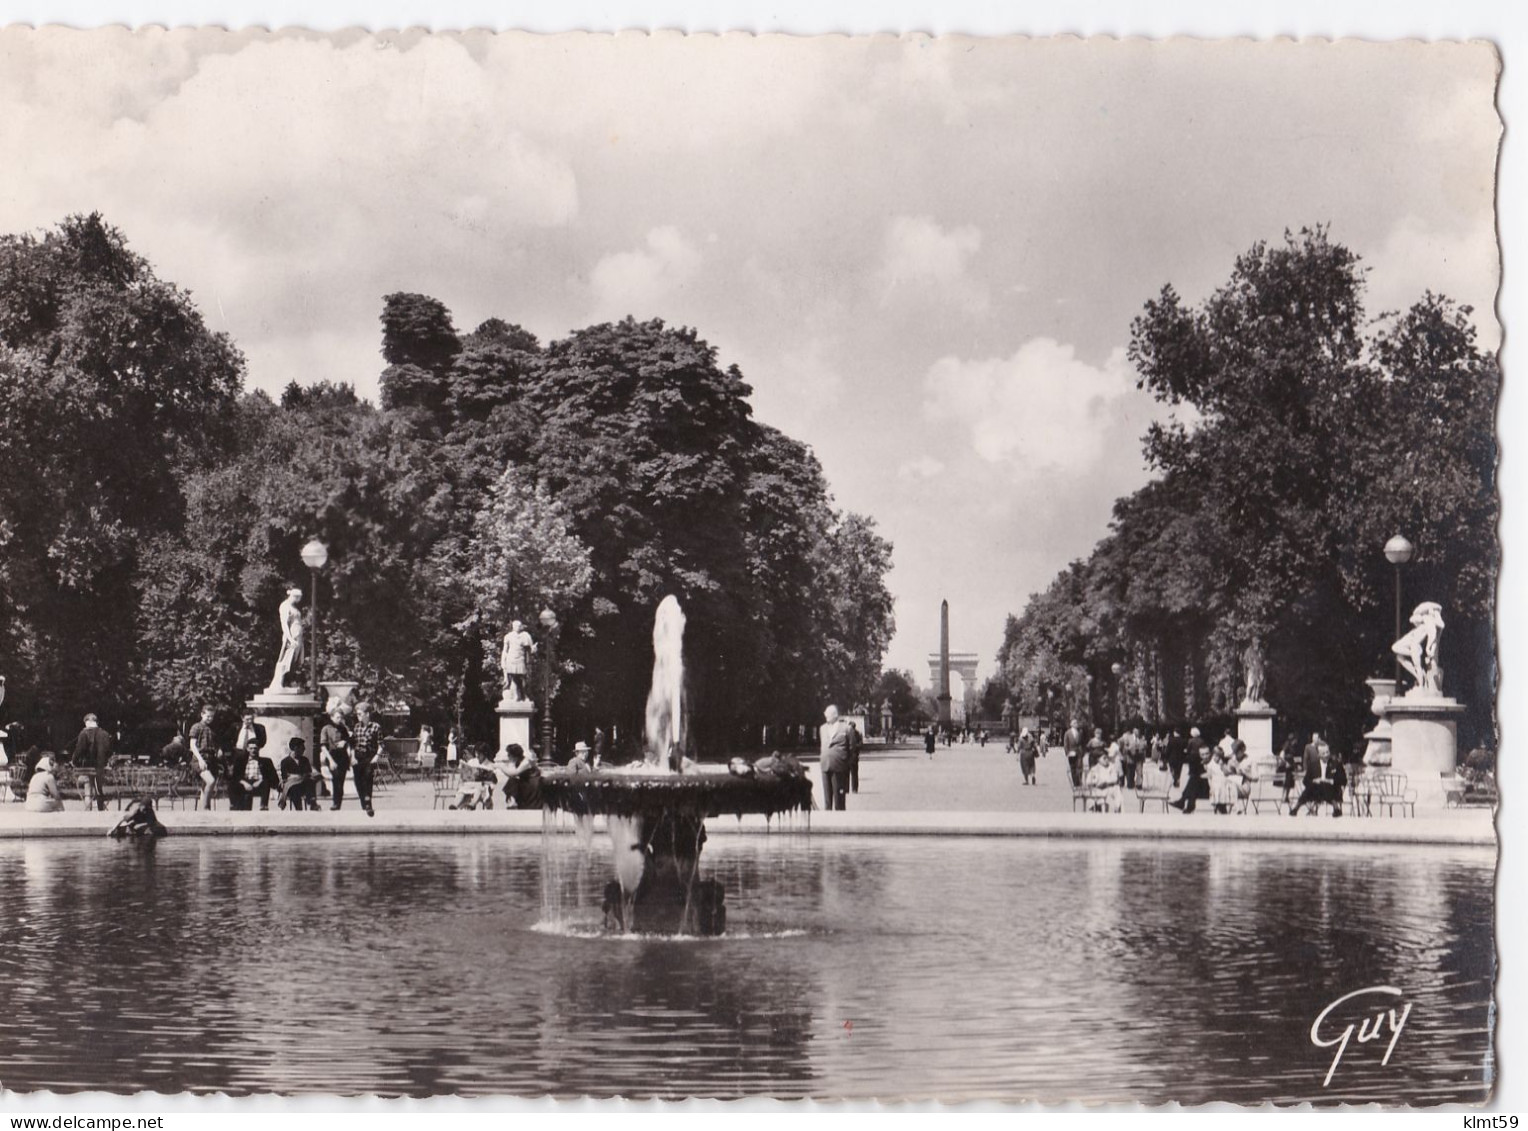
1316, 434
111, 388
152, 515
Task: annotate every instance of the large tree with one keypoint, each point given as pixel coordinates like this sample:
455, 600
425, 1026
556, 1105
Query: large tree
111, 388
1316, 433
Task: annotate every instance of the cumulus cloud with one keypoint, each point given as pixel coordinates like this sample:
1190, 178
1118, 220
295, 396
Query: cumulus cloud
1417, 257
921, 257
642, 281
1042, 408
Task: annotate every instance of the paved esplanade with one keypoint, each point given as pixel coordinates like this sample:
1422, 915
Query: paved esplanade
965, 789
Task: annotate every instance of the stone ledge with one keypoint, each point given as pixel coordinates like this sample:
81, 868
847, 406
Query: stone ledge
1469, 828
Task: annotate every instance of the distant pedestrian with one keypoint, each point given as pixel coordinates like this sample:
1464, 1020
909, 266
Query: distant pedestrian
856, 743
929, 742
600, 752
334, 752
1027, 749
366, 743
92, 752
204, 756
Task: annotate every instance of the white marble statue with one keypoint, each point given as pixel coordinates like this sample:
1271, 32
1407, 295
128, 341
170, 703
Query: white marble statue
514, 660
1252, 660
1418, 649
292, 631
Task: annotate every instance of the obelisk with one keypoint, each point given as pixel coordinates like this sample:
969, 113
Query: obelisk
944, 665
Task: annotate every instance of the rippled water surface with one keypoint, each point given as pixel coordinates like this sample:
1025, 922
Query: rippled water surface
854, 967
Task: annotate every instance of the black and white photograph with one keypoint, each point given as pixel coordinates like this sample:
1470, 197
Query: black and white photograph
657, 566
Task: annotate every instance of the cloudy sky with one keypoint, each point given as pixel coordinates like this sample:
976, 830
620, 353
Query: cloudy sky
923, 254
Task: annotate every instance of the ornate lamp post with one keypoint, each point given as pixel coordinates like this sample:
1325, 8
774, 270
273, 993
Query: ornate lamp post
549, 623
1117, 668
1398, 551
315, 555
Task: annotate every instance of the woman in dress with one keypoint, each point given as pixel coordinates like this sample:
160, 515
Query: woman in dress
43, 794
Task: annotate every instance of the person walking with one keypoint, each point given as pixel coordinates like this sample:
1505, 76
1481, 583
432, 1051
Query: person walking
856, 742
366, 742
930, 741
835, 758
1027, 748
92, 751
334, 748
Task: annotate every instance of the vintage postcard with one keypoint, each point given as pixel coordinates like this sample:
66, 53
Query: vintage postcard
729, 566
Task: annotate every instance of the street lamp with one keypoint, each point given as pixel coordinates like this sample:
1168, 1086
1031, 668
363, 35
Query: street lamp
549, 623
1117, 668
315, 555
1398, 551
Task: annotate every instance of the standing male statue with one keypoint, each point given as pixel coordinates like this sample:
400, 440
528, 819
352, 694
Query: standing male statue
292, 629
518, 647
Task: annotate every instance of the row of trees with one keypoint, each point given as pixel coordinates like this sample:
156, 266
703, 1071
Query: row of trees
152, 511
1316, 434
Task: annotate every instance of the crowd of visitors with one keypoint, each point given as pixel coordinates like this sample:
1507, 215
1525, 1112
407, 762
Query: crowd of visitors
1178, 763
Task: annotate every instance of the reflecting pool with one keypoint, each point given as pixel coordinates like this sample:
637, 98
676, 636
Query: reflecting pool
852, 967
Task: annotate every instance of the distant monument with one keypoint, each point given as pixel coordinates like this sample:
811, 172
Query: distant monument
289, 661
514, 709
287, 712
1423, 723
940, 664
1254, 717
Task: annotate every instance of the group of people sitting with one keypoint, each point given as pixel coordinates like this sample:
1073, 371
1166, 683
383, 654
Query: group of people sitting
513, 771
1188, 770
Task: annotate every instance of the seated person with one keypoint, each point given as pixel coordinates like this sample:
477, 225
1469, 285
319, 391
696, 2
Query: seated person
579, 763
236, 774
261, 774
299, 786
1325, 779
1225, 782
1107, 778
43, 793
174, 752
478, 780
523, 788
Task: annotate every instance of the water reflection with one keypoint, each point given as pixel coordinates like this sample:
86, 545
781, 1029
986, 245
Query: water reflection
853, 967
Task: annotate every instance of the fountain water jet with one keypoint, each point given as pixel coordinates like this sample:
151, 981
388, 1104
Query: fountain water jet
655, 810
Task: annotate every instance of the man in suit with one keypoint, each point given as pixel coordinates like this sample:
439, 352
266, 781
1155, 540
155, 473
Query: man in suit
835, 759
1324, 782
92, 750
1072, 743
252, 738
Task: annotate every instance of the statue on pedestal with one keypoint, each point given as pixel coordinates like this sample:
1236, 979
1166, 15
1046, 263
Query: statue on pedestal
292, 631
1252, 661
514, 659
1418, 649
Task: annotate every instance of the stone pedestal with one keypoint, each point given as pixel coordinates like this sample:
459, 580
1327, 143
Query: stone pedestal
515, 722
286, 715
1377, 750
1254, 726
1424, 742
